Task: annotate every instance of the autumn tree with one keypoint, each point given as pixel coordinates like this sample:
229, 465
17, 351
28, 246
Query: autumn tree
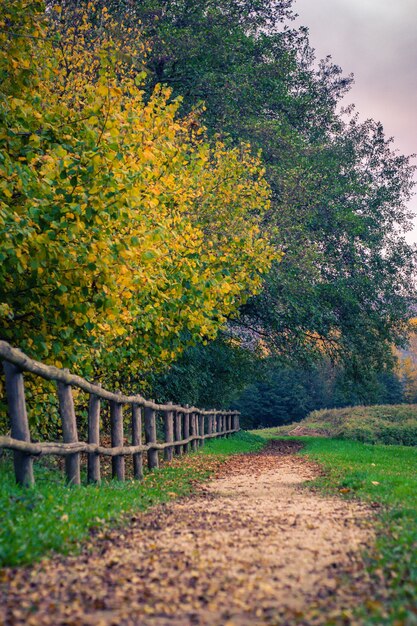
125, 234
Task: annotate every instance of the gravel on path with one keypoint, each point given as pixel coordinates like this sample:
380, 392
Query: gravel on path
252, 547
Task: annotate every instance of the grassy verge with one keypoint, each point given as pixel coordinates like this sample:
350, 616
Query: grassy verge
383, 424
386, 475
52, 517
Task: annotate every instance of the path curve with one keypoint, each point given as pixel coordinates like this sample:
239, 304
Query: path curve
253, 547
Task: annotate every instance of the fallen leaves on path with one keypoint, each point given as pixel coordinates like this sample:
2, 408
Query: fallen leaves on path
250, 548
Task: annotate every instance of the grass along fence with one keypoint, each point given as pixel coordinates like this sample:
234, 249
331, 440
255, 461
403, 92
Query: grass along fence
185, 428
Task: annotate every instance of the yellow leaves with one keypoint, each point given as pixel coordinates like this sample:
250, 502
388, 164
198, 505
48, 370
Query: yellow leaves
143, 228
148, 155
5, 310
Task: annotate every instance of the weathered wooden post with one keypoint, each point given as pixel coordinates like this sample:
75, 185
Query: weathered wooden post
236, 421
93, 459
116, 420
137, 441
201, 428
209, 424
169, 433
15, 392
150, 437
186, 428
69, 431
194, 443
178, 431
214, 421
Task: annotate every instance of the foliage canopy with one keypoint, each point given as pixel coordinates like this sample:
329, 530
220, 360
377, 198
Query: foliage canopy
125, 234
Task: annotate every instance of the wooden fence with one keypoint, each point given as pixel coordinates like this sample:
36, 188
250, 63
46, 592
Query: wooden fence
184, 427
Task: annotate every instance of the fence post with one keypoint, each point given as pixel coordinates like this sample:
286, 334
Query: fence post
236, 421
69, 431
201, 417
116, 421
169, 433
150, 437
186, 428
178, 431
137, 440
93, 459
209, 424
194, 443
15, 391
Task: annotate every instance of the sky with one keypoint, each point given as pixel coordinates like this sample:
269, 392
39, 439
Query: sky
377, 41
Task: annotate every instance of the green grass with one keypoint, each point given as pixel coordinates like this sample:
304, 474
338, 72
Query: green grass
53, 517
242, 442
386, 475
385, 424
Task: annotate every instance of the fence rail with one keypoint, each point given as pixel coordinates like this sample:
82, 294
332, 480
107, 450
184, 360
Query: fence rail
183, 426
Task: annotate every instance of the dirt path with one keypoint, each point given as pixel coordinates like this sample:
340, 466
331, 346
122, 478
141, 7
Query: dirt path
252, 548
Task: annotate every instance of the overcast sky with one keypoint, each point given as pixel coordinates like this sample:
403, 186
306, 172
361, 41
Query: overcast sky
377, 41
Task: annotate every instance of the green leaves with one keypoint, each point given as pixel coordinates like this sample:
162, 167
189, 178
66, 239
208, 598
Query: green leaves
126, 230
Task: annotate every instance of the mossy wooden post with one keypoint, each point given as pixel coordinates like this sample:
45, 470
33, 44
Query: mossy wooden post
116, 421
194, 432
178, 431
150, 437
201, 419
15, 392
69, 431
186, 428
238, 422
93, 459
169, 433
137, 441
